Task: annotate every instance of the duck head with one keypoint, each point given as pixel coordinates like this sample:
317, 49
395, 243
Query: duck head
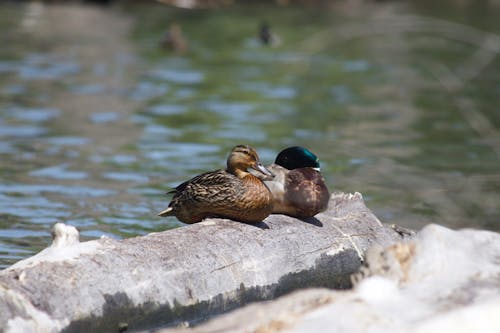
297, 157
243, 157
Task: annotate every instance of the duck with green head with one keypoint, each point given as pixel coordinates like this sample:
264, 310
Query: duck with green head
233, 193
298, 188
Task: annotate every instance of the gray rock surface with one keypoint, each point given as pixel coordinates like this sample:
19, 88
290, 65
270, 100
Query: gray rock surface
440, 281
185, 274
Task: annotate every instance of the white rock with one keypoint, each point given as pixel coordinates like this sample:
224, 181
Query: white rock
440, 281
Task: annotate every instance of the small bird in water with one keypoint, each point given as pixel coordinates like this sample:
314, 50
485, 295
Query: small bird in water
174, 39
266, 36
233, 193
298, 188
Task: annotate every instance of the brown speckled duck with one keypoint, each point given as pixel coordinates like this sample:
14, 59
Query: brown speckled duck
174, 39
232, 193
298, 187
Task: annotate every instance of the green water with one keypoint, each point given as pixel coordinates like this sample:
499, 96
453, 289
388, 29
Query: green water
97, 120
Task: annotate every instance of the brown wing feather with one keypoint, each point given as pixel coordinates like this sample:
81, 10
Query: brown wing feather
216, 185
306, 190
218, 194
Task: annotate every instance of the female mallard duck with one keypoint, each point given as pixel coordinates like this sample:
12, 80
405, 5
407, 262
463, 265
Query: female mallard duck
233, 193
298, 187
174, 39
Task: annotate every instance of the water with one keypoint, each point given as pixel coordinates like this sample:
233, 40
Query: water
97, 120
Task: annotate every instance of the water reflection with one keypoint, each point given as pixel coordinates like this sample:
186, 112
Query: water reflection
95, 133
42, 67
75, 191
33, 114
104, 117
269, 91
59, 172
21, 131
178, 76
68, 141
126, 176
167, 109
89, 89
148, 90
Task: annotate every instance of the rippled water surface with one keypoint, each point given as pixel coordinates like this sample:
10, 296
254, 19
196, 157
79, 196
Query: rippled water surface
98, 118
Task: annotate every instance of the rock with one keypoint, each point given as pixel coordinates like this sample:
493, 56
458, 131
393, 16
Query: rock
185, 274
441, 281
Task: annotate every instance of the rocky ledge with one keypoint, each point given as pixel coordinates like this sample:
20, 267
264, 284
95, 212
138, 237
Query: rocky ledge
440, 281
188, 274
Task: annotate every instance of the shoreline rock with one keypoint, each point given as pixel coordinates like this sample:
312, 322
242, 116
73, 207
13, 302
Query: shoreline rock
186, 274
440, 281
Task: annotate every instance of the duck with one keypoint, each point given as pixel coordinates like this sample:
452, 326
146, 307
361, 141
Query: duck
174, 39
298, 188
232, 193
266, 36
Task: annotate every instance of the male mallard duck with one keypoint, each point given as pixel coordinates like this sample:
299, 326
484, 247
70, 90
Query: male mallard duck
266, 36
233, 193
298, 187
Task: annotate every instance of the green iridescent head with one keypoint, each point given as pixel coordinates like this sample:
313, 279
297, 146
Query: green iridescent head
297, 157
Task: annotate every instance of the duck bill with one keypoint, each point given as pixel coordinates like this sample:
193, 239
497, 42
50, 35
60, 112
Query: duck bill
260, 168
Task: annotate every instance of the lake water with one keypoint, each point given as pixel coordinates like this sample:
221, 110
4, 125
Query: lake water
98, 118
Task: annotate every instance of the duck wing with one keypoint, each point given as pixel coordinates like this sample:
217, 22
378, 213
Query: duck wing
306, 188
215, 184
201, 178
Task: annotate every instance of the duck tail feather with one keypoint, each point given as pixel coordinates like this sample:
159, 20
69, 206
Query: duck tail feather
166, 212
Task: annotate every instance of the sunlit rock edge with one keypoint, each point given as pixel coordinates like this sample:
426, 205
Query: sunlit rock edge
188, 273
441, 281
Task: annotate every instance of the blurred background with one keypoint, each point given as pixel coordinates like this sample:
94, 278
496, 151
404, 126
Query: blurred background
106, 105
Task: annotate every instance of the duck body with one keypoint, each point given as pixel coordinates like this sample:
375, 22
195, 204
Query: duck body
232, 193
174, 39
298, 188
266, 36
